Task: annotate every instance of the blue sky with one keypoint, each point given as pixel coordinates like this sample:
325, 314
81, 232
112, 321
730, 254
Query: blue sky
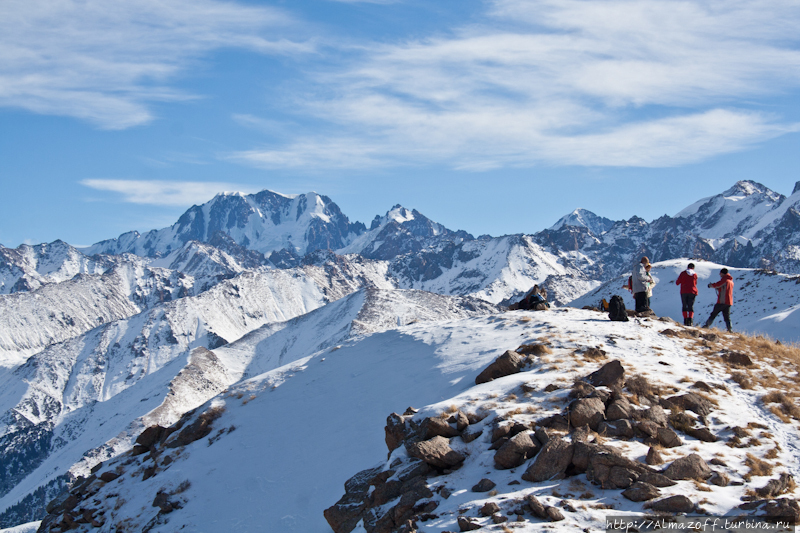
490, 116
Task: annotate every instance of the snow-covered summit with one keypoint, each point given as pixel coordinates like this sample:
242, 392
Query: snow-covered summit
586, 219
264, 222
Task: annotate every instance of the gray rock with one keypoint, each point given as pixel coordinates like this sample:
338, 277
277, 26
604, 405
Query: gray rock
537, 508
673, 504
465, 524
484, 485
691, 402
689, 467
617, 428
784, 507
551, 461
516, 451
436, 452
505, 365
641, 492
668, 438
489, 509
720, 479
587, 411
554, 514
435, 426
776, 487
654, 457
620, 409
471, 433
610, 375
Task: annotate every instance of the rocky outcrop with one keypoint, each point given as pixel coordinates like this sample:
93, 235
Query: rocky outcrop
509, 363
435, 452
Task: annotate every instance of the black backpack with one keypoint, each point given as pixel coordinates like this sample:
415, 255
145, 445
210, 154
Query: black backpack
616, 309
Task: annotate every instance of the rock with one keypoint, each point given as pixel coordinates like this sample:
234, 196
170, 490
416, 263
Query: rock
737, 359
551, 387
656, 479
435, 426
108, 476
462, 422
784, 507
505, 365
587, 411
551, 461
776, 487
673, 504
499, 519
583, 451
489, 509
554, 514
668, 438
641, 492
703, 386
621, 477
471, 433
436, 452
611, 470
542, 436
616, 428
703, 434
610, 375
500, 430
534, 349
556, 422
465, 524
396, 431
484, 485
496, 445
720, 479
581, 389
138, 449
516, 451
647, 428
689, 467
162, 502
654, 457
581, 434
537, 508
595, 353
691, 402
655, 414
150, 436
620, 409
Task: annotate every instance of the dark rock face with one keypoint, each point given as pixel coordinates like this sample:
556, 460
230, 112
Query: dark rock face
587, 411
484, 485
691, 402
640, 492
776, 487
784, 507
505, 365
516, 451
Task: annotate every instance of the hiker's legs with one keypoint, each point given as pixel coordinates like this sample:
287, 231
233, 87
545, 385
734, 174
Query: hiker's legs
687, 304
726, 314
717, 310
641, 301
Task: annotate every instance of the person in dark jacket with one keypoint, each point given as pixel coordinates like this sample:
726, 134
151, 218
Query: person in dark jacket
724, 289
688, 282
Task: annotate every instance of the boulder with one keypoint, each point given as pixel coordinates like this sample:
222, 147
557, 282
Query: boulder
784, 508
720, 479
641, 492
484, 485
617, 428
673, 504
737, 359
620, 409
668, 438
689, 467
583, 451
655, 414
554, 514
489, 509
435, 452
587, 411
461, 421
703, 434
396, 431
505, 365
471, 433
501, 429
611, 375
466, 524
557, 422
150, 436
690, 402
516, 451
551, 461
108, 476
537, 508
611, 470
776, 487
654, 457
435, 426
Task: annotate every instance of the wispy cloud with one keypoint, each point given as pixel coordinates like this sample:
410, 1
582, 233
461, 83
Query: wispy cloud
106, 61
583, 82
154, 192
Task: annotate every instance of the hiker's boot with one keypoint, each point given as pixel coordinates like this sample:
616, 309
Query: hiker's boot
685, 321
689, 322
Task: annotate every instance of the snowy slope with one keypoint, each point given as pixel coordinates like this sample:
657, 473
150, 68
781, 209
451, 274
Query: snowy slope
764, 302
282, 444
90, 393
584, 218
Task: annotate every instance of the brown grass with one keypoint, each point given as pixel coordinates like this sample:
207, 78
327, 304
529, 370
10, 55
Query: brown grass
534, 349
640, 386
757, 467
742, 379
787, 405
773, 453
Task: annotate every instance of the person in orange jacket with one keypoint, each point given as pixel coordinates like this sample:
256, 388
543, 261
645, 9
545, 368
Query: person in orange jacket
688, 282
724, 289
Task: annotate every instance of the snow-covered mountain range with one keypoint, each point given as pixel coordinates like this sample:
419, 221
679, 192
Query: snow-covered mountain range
99, 343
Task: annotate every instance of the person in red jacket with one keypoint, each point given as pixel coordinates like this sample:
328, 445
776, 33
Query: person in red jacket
724, 298
688, 282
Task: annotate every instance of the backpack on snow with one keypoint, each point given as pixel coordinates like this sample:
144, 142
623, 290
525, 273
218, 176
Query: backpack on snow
616, 309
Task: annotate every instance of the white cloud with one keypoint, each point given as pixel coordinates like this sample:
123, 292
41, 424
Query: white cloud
154, 192
105, 61
585, 82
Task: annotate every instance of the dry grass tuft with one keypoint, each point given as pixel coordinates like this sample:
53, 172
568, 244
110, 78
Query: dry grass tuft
742, 379
772, 453
787, 405
757, 467
640, 386
534, 349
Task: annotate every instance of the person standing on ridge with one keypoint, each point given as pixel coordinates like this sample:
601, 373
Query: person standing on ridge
639, 283
650, 284
724, 289
688, 282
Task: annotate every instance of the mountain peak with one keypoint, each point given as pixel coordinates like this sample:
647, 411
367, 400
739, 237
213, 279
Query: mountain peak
585, 219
